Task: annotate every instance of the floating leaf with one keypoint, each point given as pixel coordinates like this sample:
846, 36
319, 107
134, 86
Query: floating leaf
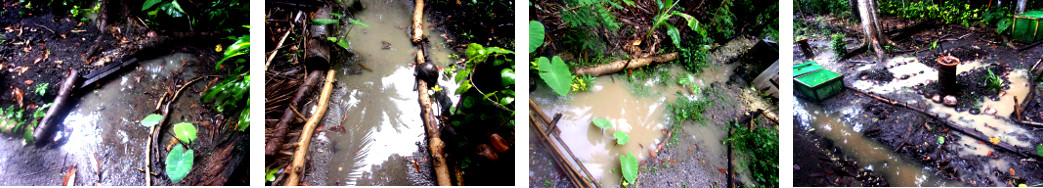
323, 21
179, 163
621, 137
151, 120
628, 165
185, 131
536, 35
941, 140
556, 74
602, 123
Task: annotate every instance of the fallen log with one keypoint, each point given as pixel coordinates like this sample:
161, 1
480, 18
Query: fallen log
617, 66
272, 147
302, 145
45, 133
418, 22
434, 138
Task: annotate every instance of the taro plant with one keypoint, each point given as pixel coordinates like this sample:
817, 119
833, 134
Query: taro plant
602, 123
179, 163
621, 137
629, 168
151, 120
185, 132
555, 73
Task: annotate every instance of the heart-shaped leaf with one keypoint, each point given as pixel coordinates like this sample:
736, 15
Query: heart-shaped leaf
602, 123
621, 137
185, 131
151, 120
179, 163
556, 74
628, 165
536, 35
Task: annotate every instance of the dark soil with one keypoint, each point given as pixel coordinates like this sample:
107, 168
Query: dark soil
971, 84
822, 164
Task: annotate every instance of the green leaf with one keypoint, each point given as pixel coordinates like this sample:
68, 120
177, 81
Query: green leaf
323, 21
476, 52
941, 140
244, 117
692, 23
460, 76
343, 43
621, 137
675, 36
240, 47
468, 102
179, 163
358, 22
507, 77
628, 165
556, 74
151, 120
185, 131
536, 35
270, 174
1002, 26
506, 100
463, 88
148, 4
602, 123
1039, 150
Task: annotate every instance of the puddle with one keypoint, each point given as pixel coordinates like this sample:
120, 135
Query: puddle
382, 123
102, 136
640, 114
870, 154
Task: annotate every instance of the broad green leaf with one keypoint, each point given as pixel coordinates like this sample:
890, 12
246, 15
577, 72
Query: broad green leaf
675, 36
941, 140
536, 35
556, 74
179, 163
323, 21
507, 77
476, 52
358, 22
244, 117
460, 76
464, 86
628, 165
602, 123
1039, 150
692, 23
148, 4
621, 137
506, 100
151, 120
240, 47
185, 131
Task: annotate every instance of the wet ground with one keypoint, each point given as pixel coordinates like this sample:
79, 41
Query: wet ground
902, 137
693, 155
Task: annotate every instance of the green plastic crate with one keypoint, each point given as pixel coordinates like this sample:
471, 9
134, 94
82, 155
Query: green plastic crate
805, 68
1026, 26
818, 85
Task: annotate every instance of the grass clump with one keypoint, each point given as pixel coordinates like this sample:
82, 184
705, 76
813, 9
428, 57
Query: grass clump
687, 109
837, 44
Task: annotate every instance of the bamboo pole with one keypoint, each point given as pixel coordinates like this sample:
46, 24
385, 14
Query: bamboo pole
418, 22
544, 135
309, 128
434, 138
617, 66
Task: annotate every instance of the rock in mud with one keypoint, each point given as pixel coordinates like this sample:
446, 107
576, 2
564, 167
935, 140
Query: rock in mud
936, 98
949, 100
990, 111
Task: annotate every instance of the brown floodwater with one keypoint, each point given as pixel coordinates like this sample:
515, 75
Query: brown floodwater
871, 155
382, 123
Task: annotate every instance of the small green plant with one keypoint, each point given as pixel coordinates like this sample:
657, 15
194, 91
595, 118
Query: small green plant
1039, 150
685, 109
179, 163
185, 131
240, 47
993, 81
536, 35
621, 137
629, 168
602, 123
941, 140
838, 44
760, 147
41, 88
151, 120
230, 96
269, 174
582, 83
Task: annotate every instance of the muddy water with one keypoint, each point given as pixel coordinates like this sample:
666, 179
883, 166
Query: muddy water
382, 123
639, 114
102, 134
870, 154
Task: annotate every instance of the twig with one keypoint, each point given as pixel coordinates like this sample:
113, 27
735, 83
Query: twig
153, 135
271, 57
309, 128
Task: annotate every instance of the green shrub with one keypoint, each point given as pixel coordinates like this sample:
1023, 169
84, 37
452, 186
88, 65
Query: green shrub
838, 45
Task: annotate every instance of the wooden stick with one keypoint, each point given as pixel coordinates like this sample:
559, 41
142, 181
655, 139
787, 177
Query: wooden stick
276, 139
271, 57
617, 66
434, 139
309, 128
544, 135
418, 22
45, 133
